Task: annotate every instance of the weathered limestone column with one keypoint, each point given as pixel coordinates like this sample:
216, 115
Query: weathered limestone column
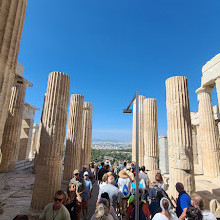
87, 133
197, 154
12, 13
163, 155
217, 85
25, 138
12, 130
141, 131
26, 132
194, 144
179, 134
198, 168
150, 137
52, 135
34, 138
208, 134
74, 136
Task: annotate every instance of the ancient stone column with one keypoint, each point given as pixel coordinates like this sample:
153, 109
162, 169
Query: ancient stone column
217, 84
179, 134
25, 139
87, 134
208, 134
12, 13
194, 144
141, 131
74, 136
34, 138
163, 155
52, 135
12, 130
198, 168
150, 137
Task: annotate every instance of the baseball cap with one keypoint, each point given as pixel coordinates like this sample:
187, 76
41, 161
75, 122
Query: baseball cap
76, 171
85, 173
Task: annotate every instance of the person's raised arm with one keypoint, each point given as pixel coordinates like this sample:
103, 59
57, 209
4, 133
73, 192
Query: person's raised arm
78, 197
183, 215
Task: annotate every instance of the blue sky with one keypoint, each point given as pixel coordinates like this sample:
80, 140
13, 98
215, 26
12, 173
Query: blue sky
113, 48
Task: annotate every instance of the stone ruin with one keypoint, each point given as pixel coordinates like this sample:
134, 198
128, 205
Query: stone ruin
191, 148
190, 153
20, 139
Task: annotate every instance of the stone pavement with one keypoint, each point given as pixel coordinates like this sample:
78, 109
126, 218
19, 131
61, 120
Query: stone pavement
16, 192
93, 199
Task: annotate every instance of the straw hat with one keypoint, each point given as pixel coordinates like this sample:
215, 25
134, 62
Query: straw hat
123, 174
109, 173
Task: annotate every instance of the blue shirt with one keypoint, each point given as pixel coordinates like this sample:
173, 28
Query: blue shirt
183, 202
85, 195
133, 185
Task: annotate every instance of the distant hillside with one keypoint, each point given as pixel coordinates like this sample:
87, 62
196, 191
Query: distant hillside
111, 145
113, 155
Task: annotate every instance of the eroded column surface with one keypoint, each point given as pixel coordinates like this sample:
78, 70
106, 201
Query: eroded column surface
34, 138
12, 13
217, 84
52, 134
12, 130
208, 134
150, 137
25, 139
163, 155
74, 137
141, 131
179, 134
87, 133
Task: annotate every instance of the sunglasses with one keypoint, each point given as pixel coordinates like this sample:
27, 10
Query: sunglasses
76, 174
56, 199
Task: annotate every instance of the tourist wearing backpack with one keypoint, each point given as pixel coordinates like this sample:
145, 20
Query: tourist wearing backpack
124, 185
144, 212
155, 195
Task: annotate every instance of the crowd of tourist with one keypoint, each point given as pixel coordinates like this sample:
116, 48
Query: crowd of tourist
117, 197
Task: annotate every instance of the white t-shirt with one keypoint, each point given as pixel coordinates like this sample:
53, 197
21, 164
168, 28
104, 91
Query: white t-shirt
143, 183
207, 215
121, 183
159, 216
102, 184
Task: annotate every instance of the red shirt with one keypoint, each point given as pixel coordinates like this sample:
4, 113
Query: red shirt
144, 208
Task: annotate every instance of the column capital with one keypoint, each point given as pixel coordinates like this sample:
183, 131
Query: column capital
21, 80
207, 89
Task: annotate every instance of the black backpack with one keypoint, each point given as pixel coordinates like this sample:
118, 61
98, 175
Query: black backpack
160, 193
141, 213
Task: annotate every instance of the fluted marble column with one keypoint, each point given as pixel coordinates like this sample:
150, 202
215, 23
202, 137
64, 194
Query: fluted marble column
87, 133
12, 13
52, 135
74, 136
194, 144
12, 130
208, 134
179, 134
151, 151
217, 84
34, 138
141, 131
198, 168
